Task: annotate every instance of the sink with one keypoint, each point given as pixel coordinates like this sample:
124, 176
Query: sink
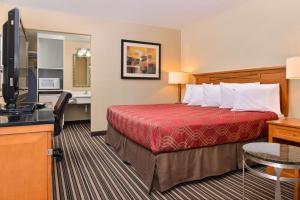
80, 97
76, 94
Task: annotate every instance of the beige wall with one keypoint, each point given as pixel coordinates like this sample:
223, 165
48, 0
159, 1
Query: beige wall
107, 87
107, 78
253, 34
71, 48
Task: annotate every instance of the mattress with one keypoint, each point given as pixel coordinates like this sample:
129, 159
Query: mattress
173, 127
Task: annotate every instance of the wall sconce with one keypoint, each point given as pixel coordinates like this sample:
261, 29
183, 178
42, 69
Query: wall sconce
83, 52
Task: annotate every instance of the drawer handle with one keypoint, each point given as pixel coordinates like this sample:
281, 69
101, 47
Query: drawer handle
50, 152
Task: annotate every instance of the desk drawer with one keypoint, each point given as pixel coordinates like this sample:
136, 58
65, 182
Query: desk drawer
286, 133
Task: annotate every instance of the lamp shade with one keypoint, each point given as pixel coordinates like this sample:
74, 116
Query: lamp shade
293, 68
178, 78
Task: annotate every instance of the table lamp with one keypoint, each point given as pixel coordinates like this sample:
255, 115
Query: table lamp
293, 68
178, 78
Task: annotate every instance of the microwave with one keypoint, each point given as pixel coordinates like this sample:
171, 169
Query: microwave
49, 83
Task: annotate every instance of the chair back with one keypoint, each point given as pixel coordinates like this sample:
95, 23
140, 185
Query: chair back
59, 109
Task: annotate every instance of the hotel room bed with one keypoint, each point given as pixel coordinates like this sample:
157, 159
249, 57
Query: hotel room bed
174, 127
175, 143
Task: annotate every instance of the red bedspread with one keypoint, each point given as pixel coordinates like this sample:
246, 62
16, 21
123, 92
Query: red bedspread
172, 127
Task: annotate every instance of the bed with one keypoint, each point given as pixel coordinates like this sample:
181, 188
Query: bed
168, 144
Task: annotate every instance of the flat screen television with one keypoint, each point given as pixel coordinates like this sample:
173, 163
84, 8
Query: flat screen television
15, 61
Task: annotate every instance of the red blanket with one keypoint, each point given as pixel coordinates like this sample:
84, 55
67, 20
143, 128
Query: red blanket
173, 127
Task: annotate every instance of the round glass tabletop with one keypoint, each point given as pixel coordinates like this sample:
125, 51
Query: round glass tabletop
273, 152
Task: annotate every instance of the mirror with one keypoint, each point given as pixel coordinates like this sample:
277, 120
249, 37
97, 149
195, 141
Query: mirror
81, 69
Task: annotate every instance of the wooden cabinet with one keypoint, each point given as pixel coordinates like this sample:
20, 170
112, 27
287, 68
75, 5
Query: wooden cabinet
25, 165
286, 131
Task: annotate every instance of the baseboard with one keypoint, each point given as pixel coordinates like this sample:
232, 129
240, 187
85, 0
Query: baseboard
98, 133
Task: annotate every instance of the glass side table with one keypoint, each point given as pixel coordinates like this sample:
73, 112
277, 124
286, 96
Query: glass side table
279, 156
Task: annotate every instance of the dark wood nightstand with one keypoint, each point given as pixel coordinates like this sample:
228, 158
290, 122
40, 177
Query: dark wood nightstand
286, 131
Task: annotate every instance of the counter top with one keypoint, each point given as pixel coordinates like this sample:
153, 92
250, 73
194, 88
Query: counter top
38, 117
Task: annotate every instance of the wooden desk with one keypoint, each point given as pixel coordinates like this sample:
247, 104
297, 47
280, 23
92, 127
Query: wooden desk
286, 131
25, 164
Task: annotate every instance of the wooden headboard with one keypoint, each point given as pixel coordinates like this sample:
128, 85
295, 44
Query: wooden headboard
262, 75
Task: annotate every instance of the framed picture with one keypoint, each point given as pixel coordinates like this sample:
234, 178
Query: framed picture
140, 60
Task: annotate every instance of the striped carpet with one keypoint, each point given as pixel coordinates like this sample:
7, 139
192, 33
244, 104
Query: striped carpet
91, 170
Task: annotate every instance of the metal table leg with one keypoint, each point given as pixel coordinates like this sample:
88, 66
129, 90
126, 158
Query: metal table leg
243, 177
277, 188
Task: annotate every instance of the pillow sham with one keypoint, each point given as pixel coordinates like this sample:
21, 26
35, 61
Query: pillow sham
264, 97
188, 93
228, 90
196, 98
211, 95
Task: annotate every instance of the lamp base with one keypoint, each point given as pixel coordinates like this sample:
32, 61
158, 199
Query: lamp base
179, 93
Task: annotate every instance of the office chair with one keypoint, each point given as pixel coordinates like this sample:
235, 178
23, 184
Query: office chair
58, 124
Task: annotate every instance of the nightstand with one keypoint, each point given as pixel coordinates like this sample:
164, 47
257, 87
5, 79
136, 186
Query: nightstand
286, 131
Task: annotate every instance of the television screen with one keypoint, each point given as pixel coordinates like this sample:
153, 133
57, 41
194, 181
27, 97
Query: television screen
15, 61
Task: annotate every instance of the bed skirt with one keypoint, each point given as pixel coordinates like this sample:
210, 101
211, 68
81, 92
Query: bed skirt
165, 170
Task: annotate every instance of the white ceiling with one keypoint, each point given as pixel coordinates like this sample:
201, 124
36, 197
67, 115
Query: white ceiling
166, 13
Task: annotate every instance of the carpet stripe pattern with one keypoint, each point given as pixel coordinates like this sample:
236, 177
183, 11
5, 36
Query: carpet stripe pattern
91, 170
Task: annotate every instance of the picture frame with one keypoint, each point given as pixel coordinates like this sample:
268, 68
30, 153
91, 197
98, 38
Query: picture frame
140, 60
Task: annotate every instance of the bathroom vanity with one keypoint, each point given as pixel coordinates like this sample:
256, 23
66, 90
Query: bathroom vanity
79, 106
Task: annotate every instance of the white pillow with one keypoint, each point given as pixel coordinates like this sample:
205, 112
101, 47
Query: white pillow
265, 97
211, 95
196, 98
227, 92
188, 93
